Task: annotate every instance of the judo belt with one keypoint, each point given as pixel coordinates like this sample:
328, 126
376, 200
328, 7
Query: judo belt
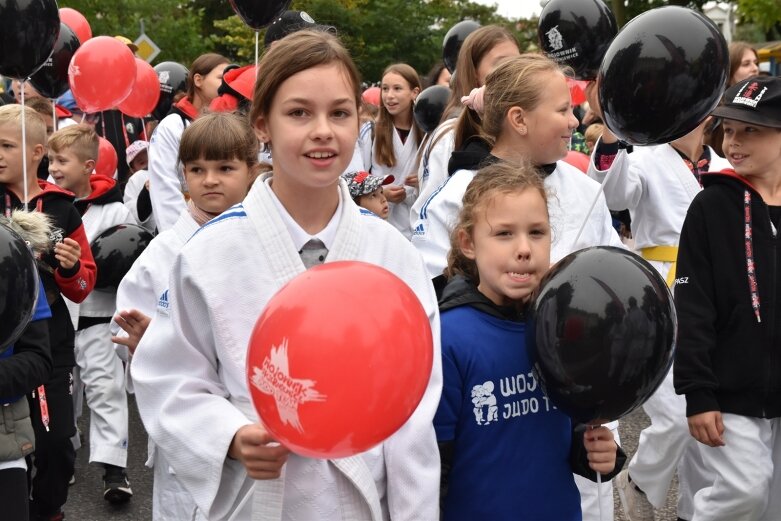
663, 254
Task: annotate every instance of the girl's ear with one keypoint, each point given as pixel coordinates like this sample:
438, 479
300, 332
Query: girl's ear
261, 130
197, 80
466, 244
516, 118
415, 93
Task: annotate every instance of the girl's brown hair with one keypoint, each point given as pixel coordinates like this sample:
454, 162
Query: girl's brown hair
475, 47
219, 136
490, 181
383, 142
517, 82
298, 52
736, 52
202, 65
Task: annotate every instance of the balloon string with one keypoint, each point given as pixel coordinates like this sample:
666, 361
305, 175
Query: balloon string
593, 204
103, 122
256, 49
24, 143
599, 488
83, 115
54, 114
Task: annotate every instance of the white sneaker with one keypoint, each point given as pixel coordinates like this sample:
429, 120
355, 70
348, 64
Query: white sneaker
633, 500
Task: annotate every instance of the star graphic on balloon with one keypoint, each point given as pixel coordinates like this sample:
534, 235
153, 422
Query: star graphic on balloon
73, 70
288, 392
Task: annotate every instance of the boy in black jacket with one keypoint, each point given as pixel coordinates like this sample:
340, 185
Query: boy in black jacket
728, 362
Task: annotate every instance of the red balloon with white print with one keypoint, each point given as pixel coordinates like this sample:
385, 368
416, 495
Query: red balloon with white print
339, 359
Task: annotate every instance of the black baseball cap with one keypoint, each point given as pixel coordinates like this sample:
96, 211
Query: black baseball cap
755, 100
290, 22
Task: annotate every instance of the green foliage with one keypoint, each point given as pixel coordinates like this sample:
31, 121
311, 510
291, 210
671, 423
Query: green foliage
174, 25
764, 13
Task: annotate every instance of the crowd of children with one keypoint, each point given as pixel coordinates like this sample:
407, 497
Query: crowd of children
470, 216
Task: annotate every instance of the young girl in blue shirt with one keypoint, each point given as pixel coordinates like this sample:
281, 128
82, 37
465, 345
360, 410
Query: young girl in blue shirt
505, 448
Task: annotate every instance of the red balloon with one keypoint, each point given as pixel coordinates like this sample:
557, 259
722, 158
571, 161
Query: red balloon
333, 370
578, 159
577, 90
146, 92
101, 74
77, 22
107, 158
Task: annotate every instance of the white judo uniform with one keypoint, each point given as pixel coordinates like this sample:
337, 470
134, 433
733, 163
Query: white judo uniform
98, 370
657, 187
570, 196
432, 171
190, 377
140, 289
166, 180
405, 153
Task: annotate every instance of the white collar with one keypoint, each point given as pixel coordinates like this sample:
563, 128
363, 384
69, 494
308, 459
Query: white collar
299, 235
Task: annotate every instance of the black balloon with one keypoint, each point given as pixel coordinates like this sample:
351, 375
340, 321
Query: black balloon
257, 14
454, 39
173, 79
115, 250
18, 286
576, 33
662, 75
429, 107
28, 30
601, 333
51, 80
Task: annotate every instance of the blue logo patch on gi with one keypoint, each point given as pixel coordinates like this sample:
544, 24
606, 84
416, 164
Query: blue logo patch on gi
163, 306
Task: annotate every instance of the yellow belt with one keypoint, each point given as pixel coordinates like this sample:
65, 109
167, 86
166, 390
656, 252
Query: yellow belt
663, 254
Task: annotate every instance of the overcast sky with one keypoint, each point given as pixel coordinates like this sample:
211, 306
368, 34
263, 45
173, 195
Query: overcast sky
515, 8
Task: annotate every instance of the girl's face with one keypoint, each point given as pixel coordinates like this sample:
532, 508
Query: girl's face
510, 244
444, 78
549, 126
397, 94
749, 66
752, 150
215, 185
501, 51
206, 86
312, 126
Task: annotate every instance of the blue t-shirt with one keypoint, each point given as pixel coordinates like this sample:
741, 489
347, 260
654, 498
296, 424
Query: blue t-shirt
511, 454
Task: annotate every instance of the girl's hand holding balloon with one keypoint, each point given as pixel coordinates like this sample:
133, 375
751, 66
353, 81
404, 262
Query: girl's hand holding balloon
254, 447
601, 449
67, 252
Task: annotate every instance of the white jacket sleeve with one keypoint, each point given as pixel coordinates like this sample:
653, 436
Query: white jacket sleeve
183, 403
432, 171
165, 188
622, 184
411, 455
436, 219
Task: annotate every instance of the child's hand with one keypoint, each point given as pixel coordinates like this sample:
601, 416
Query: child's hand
67, 253
134, 323
707, 428
601, 449
412, 180
394, 194
251, 447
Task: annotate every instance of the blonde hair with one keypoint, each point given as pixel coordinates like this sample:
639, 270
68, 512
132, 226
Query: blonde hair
295, 53
219, 136
383, 142
593, 132
80, 139
479, 43
516, 82
490, 181
35, 126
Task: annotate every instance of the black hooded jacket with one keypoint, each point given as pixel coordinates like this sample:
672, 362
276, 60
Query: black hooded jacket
729, 335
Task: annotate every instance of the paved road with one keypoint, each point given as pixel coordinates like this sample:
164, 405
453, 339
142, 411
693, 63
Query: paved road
86, 496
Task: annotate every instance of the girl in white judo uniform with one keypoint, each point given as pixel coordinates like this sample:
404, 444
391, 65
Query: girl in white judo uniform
219, 157
527, 115
657, 184
389, 147
481, 52
189, 371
